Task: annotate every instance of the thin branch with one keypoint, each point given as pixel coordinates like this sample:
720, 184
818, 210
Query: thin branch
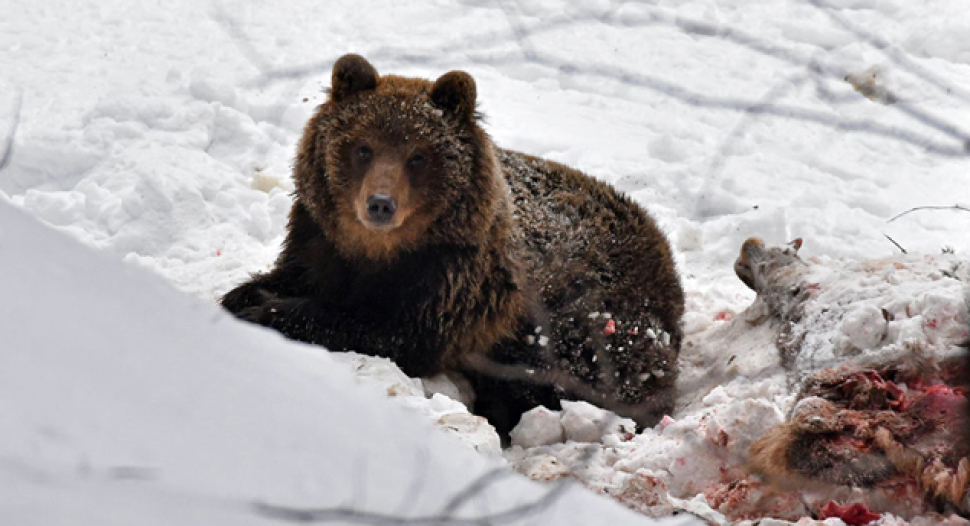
360, 488
350, 515
893, 241
675, 91
12, 132
422, 463
471, 49
703, 100
954, 207
472, 490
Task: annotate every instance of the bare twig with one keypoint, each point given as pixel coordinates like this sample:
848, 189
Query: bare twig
473, 489
470, 48
12, 131
422, 463
911, 210
670, 89
354, 516
893, 241
360, 487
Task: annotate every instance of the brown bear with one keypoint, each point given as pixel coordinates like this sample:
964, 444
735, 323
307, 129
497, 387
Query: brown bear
413, 237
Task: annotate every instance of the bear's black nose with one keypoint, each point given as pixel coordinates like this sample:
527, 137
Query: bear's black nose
381, 208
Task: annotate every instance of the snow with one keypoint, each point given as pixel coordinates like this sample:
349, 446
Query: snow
733, 390
124, 401
162, 136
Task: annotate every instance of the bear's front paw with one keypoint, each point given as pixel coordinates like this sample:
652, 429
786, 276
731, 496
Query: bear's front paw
274, 312
246, 297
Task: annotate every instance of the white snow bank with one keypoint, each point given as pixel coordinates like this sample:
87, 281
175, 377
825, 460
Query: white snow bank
123, 401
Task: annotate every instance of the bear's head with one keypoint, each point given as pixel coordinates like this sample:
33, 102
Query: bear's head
391, 164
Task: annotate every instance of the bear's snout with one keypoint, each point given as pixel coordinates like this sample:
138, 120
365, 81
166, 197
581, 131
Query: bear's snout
381, 208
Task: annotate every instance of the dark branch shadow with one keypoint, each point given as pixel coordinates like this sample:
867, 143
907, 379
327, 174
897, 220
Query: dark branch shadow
890, 51
444, 518
476, 48
12, 131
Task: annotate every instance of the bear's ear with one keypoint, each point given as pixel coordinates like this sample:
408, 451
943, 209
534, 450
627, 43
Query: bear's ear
351, 74
455, 92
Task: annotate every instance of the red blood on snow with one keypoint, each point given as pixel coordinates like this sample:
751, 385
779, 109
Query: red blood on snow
855, 514
610, 328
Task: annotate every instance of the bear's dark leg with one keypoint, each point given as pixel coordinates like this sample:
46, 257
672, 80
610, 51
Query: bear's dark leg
280, 283
415, 349
515, 377
502, 400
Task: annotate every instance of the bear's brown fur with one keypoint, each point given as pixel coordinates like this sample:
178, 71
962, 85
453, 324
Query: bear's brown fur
412, 236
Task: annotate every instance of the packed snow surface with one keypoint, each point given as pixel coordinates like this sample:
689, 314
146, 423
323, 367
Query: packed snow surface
162, 135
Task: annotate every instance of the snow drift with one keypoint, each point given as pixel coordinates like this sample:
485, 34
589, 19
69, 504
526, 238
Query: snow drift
123, 401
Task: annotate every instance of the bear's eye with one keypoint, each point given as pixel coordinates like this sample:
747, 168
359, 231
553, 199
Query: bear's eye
364, 152
417, 162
